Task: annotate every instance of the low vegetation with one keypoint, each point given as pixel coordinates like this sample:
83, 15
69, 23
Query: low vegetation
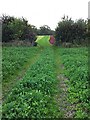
33, 96
14, 61
31, 74
75, 61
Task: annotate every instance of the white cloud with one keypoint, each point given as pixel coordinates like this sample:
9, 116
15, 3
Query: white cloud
40, 12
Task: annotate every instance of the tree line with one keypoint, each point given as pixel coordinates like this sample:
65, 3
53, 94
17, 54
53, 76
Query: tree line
71, 31
67, 30
19, 29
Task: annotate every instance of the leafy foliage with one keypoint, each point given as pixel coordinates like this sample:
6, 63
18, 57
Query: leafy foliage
16, 28
45, 30
70, 31
14, 58
32, 97
75, 61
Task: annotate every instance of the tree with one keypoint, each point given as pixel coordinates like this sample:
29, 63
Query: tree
17, 29
45, 30
80, 30
63, 30
7, 33
70, 31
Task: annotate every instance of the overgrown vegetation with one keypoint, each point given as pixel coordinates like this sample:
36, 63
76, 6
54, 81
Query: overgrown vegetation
14, 61
68, 31
33, 96
45, 30
75, 61
16, 29
74, 32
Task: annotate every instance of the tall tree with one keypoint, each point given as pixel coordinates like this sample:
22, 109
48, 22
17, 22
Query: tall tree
17, 29
45, 30
70, 31
7, 33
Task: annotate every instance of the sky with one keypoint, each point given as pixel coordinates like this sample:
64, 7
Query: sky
45, 12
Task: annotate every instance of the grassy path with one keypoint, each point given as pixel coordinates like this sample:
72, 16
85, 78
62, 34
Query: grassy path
65, 107
7, 86
43, 41
33, 96
76, 70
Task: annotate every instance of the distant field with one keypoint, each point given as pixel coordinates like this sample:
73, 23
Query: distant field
43, 41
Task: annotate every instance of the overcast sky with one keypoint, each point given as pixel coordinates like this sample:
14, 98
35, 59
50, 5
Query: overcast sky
45, 12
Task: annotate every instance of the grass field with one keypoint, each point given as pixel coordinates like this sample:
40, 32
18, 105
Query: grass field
43, 41
45, 82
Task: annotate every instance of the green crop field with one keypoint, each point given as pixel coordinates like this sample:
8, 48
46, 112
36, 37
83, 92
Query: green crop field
45, 82
75, 61
13, 61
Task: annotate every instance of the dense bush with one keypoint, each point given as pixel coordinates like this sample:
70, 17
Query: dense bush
71, 31
16, 29
45, 30
33, 96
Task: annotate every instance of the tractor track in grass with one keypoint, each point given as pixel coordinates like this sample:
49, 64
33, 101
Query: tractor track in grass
38, 91
20, 75
66, 108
